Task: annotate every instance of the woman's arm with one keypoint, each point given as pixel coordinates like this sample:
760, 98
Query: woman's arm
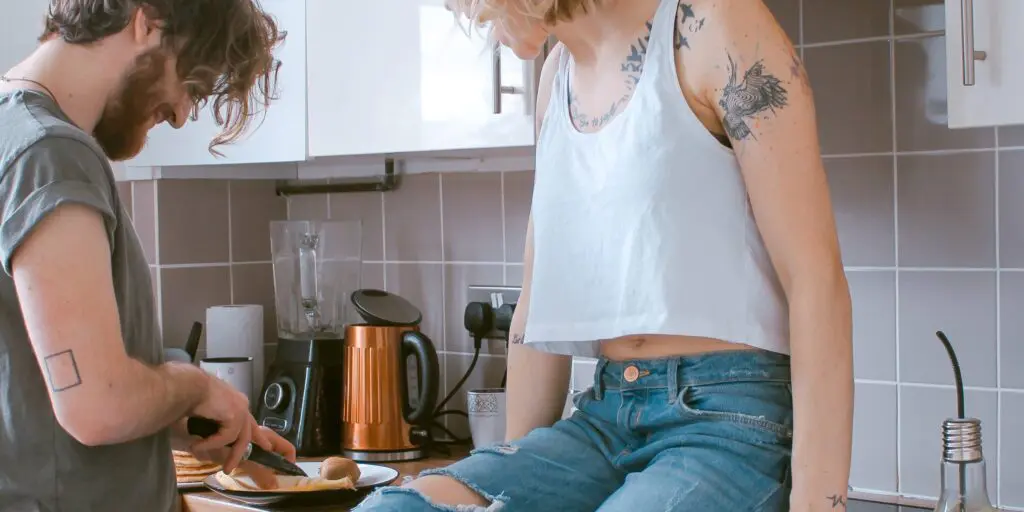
538, 382
759, 89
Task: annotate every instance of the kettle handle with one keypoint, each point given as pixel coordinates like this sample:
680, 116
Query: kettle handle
426, 361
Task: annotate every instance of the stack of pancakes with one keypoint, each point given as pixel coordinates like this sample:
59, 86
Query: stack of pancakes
189, 469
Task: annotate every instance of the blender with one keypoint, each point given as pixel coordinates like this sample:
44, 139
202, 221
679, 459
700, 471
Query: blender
316, 268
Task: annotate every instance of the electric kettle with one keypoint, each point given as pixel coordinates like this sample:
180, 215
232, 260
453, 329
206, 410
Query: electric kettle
379, 421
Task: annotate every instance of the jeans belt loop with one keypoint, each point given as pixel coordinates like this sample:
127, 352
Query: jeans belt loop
598, 380
673, 379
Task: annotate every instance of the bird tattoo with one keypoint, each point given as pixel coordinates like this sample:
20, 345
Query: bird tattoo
758, 92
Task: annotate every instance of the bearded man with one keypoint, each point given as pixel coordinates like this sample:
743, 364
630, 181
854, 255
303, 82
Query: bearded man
89, 410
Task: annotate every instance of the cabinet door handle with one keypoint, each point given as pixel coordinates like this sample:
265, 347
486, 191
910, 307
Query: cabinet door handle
496, 78
967, 41
528, 90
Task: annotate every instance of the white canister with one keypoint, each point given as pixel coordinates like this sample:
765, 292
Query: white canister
486, 410
236, 371
237, 331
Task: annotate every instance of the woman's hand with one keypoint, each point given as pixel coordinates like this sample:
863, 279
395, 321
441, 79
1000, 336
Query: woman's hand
264, 438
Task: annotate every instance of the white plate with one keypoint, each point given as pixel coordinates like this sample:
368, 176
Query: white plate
370, 475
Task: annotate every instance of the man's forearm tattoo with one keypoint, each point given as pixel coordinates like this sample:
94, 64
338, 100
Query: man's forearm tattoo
756, 95
516, 339
62, 371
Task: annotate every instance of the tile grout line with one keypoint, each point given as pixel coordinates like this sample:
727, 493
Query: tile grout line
462, 263
851, 268
896, 238
877, 39
929, 385
231, 251
504, 234
443, 367
999, 336
156, 249
800, 25
921, 152
384, 241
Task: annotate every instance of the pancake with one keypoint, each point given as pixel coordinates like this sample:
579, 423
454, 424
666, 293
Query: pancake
188, 469
191, 479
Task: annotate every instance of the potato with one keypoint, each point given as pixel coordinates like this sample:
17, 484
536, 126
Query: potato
336, 468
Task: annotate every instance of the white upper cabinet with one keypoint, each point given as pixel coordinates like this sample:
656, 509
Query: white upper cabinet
277, 134
985, 73
398, 76
21, 24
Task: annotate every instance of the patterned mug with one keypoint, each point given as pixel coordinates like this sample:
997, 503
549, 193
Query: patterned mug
486, 409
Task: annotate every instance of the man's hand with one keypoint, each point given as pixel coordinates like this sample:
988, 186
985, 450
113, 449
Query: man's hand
230, 409
262, 437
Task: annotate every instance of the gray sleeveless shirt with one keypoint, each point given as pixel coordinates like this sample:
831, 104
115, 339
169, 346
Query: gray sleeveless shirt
46, 161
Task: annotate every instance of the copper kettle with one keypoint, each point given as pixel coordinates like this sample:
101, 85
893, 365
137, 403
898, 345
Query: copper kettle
379, 421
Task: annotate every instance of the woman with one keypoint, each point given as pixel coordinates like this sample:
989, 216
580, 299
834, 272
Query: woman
681, 232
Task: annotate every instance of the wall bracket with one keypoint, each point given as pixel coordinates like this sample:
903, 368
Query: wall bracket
387, 182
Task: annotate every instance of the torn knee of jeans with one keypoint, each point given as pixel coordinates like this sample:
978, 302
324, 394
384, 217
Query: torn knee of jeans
500, 449
497, 502
395, 496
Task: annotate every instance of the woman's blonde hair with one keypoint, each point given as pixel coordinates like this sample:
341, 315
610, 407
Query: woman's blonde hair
547, 11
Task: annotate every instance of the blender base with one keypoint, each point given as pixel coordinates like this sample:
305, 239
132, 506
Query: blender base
301, 398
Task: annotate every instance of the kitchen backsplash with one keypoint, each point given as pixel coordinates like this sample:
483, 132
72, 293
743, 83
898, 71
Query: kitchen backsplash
208, 243
932, 238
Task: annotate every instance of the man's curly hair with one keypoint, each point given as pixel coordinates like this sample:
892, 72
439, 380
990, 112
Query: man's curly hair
224, 48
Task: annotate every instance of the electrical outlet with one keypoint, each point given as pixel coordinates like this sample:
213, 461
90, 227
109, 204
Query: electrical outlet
496, 296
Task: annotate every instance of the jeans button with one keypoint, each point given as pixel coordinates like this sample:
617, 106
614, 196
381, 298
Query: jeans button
631, 373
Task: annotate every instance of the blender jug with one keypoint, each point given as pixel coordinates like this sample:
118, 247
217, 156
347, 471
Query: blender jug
317, 266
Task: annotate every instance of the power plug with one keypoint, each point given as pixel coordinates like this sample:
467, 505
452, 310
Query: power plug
503, 317
478, 320
496, 296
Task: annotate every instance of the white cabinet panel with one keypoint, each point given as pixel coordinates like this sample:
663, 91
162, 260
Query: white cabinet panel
21, 24
995, 97
395, 76
278, 134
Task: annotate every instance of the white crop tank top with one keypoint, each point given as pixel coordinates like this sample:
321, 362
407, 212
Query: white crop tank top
645, 227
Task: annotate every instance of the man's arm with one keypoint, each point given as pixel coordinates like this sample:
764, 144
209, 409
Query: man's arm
99, 394
759, 89
538, 382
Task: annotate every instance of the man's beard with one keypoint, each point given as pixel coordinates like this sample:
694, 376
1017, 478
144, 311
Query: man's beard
121, 130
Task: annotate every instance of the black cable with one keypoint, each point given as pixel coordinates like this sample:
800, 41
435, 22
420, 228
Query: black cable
960, 413
476, 356
440, 412
504, 374
478, 319
957, 376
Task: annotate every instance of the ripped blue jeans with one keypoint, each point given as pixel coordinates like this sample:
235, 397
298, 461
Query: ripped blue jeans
707, 433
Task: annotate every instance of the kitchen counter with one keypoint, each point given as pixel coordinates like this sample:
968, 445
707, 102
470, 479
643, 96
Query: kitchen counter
202, 500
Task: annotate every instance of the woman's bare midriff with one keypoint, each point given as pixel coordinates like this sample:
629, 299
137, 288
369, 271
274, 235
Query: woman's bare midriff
657, 346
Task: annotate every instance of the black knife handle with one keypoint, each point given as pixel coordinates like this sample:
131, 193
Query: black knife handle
202, 427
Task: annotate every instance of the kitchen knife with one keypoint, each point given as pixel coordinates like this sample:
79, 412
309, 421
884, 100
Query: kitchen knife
204, 428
